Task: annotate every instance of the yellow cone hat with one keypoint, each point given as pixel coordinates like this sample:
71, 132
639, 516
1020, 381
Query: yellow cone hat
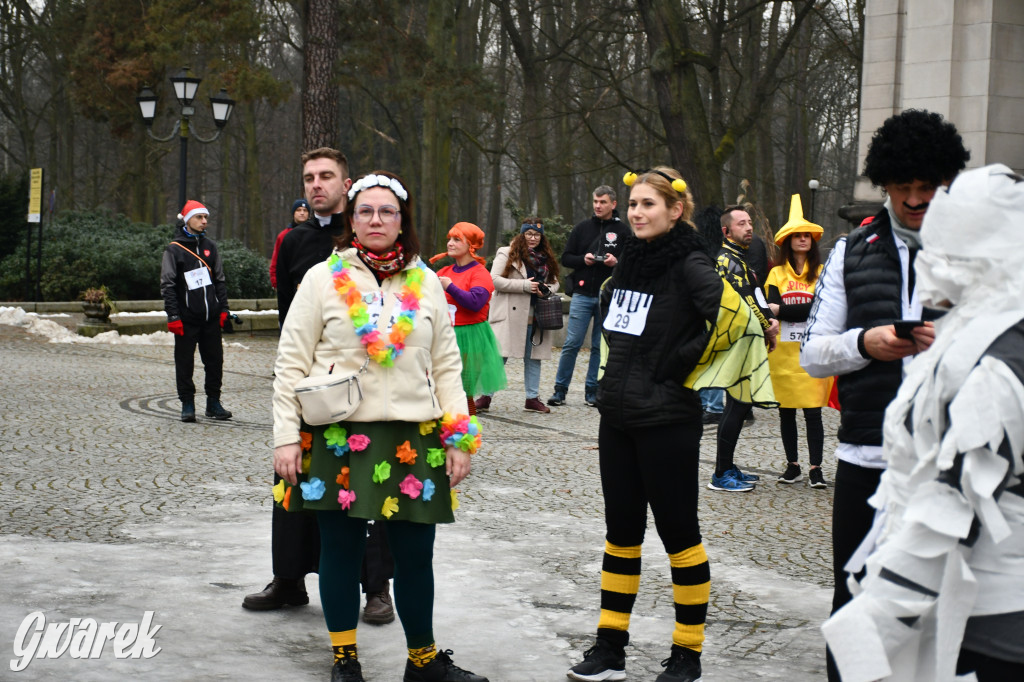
797, 223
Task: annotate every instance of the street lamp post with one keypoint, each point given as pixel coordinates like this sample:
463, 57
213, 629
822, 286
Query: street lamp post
813, 185
185, 87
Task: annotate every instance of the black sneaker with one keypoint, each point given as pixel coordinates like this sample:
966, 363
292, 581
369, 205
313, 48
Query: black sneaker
603, 661
441, 669
711, 418
817, 480
347, 670
682, 665
557, 398
591, 399
792, 474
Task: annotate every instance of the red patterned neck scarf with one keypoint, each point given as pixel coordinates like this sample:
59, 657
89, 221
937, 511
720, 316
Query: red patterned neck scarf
387, 263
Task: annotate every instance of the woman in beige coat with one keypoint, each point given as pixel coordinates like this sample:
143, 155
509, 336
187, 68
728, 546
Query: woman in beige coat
522, 271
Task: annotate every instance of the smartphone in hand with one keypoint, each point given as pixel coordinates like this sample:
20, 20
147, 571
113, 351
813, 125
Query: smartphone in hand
904, 328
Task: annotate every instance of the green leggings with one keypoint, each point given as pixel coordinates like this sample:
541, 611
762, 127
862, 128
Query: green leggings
342, 544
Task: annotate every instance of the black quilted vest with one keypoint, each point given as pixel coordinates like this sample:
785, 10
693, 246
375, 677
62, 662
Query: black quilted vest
874, 282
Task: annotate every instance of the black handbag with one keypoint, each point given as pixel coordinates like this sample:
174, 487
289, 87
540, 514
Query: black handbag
547, 313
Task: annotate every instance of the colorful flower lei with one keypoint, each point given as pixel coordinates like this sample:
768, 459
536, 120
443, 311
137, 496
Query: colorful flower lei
461, 431
371, 337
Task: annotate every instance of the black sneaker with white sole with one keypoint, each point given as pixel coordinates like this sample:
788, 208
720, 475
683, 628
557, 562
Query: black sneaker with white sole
792, 474
682, 665
603, 661
817, 480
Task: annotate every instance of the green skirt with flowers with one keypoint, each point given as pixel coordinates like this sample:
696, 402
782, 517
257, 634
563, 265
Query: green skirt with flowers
374, 470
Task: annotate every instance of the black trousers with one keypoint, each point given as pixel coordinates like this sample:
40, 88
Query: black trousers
207, 336
815, 434
729, 432
295, 549
655, 466
988, 669
851, 520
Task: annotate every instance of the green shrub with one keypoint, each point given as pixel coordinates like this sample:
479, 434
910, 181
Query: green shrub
247, 272
14, 214
83, 249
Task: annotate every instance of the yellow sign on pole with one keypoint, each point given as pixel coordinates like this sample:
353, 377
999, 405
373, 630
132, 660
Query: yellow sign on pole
35, 195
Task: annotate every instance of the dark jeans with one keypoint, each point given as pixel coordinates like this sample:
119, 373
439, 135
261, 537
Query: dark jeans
851, 520
207, 336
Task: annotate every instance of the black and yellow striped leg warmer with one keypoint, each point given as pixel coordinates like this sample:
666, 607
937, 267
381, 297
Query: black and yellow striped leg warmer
691, 589
620, 580
344, 644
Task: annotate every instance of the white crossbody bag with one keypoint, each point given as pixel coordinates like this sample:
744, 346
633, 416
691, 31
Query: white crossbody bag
329, 398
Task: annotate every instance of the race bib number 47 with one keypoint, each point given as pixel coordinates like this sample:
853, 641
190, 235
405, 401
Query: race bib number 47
628, 312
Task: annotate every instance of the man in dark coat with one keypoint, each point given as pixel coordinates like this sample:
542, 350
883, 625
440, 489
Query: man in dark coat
295, 538
196, 302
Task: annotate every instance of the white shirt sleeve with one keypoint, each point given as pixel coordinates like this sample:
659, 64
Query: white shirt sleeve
829, 348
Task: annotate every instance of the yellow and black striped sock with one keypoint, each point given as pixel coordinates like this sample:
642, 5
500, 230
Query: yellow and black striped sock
344, 645
620, 580
691, 589
422, 656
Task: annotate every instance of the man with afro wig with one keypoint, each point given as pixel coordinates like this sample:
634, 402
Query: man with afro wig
866, 322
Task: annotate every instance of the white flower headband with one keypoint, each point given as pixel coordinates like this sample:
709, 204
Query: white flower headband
368, 181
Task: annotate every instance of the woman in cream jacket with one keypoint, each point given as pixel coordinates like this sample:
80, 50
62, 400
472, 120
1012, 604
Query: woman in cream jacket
375, 305
522, 271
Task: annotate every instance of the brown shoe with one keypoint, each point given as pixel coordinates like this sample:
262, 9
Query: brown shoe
378, 610
535, 405
280, 592
483, 403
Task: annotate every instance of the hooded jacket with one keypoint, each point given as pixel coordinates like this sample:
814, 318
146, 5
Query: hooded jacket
201, 296
643, 376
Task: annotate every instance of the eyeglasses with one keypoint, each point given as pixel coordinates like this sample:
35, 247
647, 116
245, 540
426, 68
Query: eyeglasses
387, 214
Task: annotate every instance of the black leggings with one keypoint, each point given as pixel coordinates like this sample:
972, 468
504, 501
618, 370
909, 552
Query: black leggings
815, 433
729, 432
656, 466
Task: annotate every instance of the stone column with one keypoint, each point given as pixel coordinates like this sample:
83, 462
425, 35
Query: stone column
963, 59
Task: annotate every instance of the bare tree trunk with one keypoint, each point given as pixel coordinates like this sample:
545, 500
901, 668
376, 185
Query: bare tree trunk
435, 172
319, 92
679, 99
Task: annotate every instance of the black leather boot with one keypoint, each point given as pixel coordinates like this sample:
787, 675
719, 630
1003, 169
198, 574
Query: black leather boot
280, 592
214, 410
188, 410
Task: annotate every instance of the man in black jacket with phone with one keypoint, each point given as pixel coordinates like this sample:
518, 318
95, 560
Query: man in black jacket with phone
591, 252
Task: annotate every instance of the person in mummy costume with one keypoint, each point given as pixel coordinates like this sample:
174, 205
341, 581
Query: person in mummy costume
943, 593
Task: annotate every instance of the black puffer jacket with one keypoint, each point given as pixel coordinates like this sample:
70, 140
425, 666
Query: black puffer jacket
643, 375
873, 277
183, 254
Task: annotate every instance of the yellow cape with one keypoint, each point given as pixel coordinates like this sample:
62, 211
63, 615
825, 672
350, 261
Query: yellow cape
734, 359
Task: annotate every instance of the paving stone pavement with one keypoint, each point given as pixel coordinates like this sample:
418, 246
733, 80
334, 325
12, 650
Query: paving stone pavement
110, 506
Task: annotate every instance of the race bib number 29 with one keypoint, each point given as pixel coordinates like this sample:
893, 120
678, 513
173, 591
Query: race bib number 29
628, 312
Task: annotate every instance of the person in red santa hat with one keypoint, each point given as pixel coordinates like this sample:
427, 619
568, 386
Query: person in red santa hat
196, 301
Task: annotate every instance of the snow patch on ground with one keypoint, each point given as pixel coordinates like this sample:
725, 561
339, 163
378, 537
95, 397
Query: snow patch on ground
35, 324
